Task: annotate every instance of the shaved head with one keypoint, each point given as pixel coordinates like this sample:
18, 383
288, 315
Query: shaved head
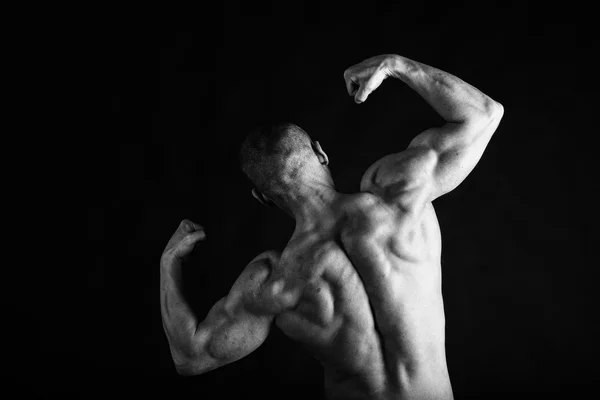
273, 156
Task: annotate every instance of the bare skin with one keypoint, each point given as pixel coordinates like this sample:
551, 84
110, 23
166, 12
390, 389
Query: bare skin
359, 282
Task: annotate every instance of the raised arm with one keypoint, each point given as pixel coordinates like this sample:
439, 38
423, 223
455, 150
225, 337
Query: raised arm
234, 327
438, 159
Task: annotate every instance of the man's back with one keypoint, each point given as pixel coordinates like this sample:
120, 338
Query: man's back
371, 307
360, 280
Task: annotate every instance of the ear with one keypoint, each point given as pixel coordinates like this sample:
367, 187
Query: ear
262, 199
321, 155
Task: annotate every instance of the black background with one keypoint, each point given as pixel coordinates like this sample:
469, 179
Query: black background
185, 86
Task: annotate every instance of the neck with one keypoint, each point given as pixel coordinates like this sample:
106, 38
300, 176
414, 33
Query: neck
309, 205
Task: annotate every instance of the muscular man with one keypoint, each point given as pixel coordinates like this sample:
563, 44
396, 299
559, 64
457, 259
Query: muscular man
359, 282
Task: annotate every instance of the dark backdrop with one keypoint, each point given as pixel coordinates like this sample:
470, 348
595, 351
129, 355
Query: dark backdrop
186, 86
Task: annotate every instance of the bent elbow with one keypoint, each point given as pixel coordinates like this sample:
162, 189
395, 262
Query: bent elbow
190, 366
495, 110
188, 369
186, 361
490, 112
499, 110
195, 365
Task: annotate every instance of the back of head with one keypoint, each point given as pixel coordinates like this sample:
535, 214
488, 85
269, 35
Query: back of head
272, 157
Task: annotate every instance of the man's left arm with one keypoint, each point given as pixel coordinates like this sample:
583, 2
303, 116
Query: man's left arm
233, 327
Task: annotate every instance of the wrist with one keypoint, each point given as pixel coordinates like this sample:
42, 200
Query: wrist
166, 262
399, 67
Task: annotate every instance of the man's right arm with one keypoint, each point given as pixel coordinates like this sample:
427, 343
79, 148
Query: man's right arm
438, 159
234, 327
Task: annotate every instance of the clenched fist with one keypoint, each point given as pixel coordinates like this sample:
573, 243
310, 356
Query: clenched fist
182, 242
363, 78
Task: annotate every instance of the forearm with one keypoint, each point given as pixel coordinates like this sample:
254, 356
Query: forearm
178, 319
455, 100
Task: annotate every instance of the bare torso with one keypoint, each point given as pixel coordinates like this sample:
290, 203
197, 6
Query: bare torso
361, 288
370, 306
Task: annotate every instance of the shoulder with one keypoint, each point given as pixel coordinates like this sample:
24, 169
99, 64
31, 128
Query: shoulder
267, 257
261, 285
258, 270
398, 177
252, 280
410, 165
